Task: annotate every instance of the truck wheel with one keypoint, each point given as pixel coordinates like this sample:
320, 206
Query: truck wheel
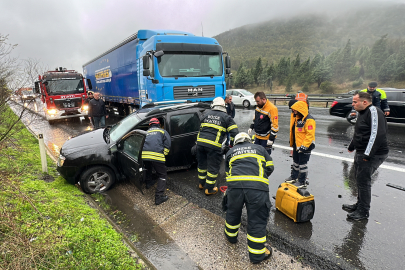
121, 111
97, 179
246, 103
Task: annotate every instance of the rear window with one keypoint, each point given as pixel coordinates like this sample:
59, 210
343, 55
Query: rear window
395, 96
185, 123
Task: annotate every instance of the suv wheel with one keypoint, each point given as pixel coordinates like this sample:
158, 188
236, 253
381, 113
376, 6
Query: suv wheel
97, 179
351, 119
246, 103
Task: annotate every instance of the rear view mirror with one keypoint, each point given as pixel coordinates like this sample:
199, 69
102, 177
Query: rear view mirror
228, 71
146, 72
145, 60
159, 53
36, 87
228, 62
89, 84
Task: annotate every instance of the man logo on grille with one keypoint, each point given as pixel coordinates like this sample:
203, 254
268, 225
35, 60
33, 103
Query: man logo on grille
194, 90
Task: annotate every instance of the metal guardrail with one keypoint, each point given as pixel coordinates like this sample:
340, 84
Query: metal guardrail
311, 97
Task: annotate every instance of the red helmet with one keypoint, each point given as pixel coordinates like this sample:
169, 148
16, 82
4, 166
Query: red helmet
154, 121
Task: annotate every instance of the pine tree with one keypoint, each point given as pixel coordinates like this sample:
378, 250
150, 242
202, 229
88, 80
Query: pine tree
288, 87
322, 73
257, 71
379, 53
387, 70
400, 65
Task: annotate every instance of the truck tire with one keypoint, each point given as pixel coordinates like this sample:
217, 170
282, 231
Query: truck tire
97, 179
121, 110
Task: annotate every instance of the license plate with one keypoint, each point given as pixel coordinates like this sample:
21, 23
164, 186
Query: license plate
68, 104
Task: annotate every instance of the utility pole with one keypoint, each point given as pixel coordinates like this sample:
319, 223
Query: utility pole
202, 30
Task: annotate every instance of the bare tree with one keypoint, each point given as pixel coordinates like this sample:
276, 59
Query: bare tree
14, 74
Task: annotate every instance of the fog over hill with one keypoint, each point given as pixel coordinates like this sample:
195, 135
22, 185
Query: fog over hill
308, 34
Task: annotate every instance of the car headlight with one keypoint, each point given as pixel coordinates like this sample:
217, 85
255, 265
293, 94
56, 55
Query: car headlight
24, 96
85, 108
52, 111
61, 160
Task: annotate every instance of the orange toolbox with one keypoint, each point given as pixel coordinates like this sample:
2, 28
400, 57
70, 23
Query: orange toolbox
296, 203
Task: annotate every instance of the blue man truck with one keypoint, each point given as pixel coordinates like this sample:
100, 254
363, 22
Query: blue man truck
159, 66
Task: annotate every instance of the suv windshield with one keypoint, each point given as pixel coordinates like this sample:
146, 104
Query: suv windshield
188, 64
123, 126
64, 86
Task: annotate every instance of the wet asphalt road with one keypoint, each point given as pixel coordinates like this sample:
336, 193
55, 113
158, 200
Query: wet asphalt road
329, 240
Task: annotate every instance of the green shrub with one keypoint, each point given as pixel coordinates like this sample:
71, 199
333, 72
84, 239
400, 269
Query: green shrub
327, 87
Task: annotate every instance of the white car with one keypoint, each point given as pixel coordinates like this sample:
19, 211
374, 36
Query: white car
241, 97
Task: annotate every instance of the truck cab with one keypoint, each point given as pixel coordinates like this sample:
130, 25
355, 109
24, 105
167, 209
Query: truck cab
63, 93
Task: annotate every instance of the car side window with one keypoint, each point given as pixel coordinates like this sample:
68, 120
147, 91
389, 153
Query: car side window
132, 146
185, 123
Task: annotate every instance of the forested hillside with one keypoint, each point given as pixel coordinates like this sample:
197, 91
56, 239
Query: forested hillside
316, 50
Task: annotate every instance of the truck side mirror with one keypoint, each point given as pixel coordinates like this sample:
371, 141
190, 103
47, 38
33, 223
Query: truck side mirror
89, 84
159, 53
145, 60
146, 72
37, 87
228, 71
228, 62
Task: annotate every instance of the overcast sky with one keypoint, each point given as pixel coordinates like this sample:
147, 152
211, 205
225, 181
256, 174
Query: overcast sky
70, 33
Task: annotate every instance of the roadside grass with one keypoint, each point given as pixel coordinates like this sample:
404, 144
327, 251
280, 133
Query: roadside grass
50, 225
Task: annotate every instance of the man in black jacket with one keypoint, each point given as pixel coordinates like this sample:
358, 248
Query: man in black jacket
370, 142
248, 167
230, 110
97, 111
156, 147
214, 124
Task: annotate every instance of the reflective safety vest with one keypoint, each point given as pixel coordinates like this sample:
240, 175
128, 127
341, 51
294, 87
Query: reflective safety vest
214, 125
248, 165
302, 97
157, 145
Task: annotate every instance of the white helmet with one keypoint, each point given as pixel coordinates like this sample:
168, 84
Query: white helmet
242, 137
218, 101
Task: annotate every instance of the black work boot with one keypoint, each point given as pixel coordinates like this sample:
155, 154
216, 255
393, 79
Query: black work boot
349, 207
161, 199
358, 215
211, 192
267, 254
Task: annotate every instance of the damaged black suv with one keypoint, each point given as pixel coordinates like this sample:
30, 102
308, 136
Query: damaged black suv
97, 158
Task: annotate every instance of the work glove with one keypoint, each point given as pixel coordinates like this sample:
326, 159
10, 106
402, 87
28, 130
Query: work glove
269, 143
250, 131
301, 149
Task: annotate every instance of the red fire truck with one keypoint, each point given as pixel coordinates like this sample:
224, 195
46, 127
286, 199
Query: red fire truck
63, 93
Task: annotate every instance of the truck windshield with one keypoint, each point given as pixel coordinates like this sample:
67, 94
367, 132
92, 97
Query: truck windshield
64, 86
189, 64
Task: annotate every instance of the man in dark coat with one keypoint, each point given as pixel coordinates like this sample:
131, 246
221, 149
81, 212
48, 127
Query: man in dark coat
97, 111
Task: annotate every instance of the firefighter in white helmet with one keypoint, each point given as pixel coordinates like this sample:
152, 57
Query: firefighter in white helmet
214, 125
248, 167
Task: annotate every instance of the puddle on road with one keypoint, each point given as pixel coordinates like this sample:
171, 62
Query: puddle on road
153, 242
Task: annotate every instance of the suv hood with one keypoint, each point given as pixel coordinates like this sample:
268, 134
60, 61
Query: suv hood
85, 142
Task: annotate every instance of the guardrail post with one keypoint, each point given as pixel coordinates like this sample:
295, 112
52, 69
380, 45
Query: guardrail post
43, 153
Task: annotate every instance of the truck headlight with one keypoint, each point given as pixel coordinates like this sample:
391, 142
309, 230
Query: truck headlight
61, 160
24, 96
52, 111
85, 108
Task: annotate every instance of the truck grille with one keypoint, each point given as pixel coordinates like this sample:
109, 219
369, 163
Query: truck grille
189, 92
63, 104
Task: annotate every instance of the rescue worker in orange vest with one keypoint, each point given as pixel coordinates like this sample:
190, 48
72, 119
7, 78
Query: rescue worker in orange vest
265, 122
302, 97
302, 140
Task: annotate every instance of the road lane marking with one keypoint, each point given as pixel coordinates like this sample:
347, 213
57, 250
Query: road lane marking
342, 158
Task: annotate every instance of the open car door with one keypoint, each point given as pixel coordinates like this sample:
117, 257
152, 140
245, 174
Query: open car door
129, 153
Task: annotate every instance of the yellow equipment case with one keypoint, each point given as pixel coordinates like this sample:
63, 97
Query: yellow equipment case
296, 203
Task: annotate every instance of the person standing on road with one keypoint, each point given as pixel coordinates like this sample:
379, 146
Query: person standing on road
370, 142
87, 101
265, 122
301, 96
230, 110
97, 112
248, 167
302, 140
214, 124
156, 147
379, 98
